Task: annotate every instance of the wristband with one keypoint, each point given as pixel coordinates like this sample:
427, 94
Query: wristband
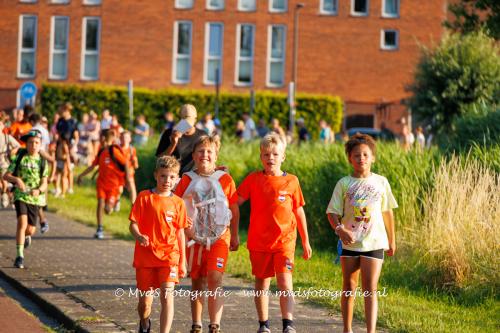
339, 226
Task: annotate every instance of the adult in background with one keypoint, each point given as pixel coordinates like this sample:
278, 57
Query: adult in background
179, 141
106, 120
207, 124
250, 131
141, 131
262, 129
326, 134
93, 128
303, 132
68, 130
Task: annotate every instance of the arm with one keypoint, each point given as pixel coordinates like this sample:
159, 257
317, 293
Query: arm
17, 181
344, 234
390, 229
134, 230
304, 236
41, 189
84, 173
235, 221
182, 252
241, 200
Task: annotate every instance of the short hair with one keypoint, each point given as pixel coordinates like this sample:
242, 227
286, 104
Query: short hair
360, 139
108, 134
271, 140
208, 139
68, 106
35, 118
167, 162
125, 132
28, 110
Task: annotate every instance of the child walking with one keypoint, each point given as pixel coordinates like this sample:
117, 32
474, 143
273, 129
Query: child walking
29, 174
276, 211
157, 221
212, 204
360, 212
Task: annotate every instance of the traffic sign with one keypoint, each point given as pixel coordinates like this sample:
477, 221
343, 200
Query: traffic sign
28, 90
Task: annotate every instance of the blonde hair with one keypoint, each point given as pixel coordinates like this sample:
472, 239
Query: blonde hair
207, 139
271, 140
167, 162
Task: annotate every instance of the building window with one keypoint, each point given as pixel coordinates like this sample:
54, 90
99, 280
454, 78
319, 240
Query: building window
184, 4
389, 40
28, 1
244, 54
276, 55
390, 8
92, 2
215, 4
328, 7
58, 68
182, 52
278, 6
247, 5
359, 7
214, 33
59, 1
90, 48
27, 46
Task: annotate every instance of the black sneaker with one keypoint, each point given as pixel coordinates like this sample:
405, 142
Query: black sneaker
19, 262
213, 328
27, 241
196, 329
44, 227
142, 330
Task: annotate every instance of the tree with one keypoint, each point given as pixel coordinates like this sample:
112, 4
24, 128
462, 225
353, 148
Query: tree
474, 15
459, 76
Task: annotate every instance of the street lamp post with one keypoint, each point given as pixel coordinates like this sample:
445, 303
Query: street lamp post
293, 83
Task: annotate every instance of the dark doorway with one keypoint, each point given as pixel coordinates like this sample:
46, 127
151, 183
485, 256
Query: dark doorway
360, 120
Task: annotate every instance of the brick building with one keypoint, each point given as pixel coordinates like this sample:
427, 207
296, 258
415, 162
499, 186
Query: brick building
362, 50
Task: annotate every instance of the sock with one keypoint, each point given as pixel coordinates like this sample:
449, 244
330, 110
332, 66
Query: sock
99, 228
264, 323
287, 322
20, 250
42, 223
197, 323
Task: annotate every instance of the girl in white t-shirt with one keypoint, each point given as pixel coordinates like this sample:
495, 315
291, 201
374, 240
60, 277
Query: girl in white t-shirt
360, 212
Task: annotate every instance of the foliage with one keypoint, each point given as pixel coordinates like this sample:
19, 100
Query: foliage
474, 15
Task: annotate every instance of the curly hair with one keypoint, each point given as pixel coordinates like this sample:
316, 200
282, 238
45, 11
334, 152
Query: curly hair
167, 162
360, 139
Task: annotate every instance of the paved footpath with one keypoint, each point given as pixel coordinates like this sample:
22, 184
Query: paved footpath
75, 277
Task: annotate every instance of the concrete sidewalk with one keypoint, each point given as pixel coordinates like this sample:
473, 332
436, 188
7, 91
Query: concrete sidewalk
80, 281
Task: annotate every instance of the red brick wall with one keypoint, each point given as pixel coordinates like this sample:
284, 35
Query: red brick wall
337, 54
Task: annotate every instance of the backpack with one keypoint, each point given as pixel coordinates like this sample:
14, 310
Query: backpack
120, 166
20, 154
207, 206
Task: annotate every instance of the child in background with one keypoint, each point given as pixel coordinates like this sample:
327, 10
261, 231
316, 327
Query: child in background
28, 172
113, 169
131, 156
276, 211
157, 221
61, 170
207, 260
360, 212
8, 147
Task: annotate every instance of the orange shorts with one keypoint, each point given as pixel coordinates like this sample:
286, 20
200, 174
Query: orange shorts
268, 264
153, 277
110, 195
201, 261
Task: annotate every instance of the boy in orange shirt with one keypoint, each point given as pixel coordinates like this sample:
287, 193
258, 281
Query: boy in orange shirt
131, 155
157, 221
276, 211
113, 169
207, 261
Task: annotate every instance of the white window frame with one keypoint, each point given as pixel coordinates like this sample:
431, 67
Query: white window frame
269, 58
273, 10
59, 2
390, 15
176, 56
179, 6
85, 52
238, 57
322, 11
21, 49
361, 14
28, 1
209, 57
92, 2
385, 47
241, 9
209, 7
53, 51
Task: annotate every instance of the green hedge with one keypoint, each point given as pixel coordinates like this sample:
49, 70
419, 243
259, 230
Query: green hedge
481, 128
153, 104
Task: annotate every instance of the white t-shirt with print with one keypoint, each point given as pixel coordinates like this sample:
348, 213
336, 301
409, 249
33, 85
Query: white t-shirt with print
360, 202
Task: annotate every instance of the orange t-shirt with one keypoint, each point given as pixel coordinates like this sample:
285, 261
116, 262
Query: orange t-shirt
229, 188
273, 200
159, 218
131, 156
110, 176
18, 129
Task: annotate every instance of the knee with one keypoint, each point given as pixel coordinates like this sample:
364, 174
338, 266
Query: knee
144, 306
214, 280
284, 282
107, 209
350, 284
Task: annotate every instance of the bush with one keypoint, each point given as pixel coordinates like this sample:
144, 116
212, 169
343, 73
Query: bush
479, 128
153, 104
458, 77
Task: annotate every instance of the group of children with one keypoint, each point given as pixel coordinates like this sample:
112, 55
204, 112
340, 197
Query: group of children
185, 228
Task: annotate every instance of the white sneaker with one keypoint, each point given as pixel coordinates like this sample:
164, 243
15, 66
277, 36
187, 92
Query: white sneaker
117, 206
57, 193
70, 191
99, 234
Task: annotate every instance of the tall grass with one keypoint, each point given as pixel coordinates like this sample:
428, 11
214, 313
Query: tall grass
458, 236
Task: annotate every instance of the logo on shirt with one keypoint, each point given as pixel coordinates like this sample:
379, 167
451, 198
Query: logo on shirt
282, 196
170, 216
288, 264
173, 273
